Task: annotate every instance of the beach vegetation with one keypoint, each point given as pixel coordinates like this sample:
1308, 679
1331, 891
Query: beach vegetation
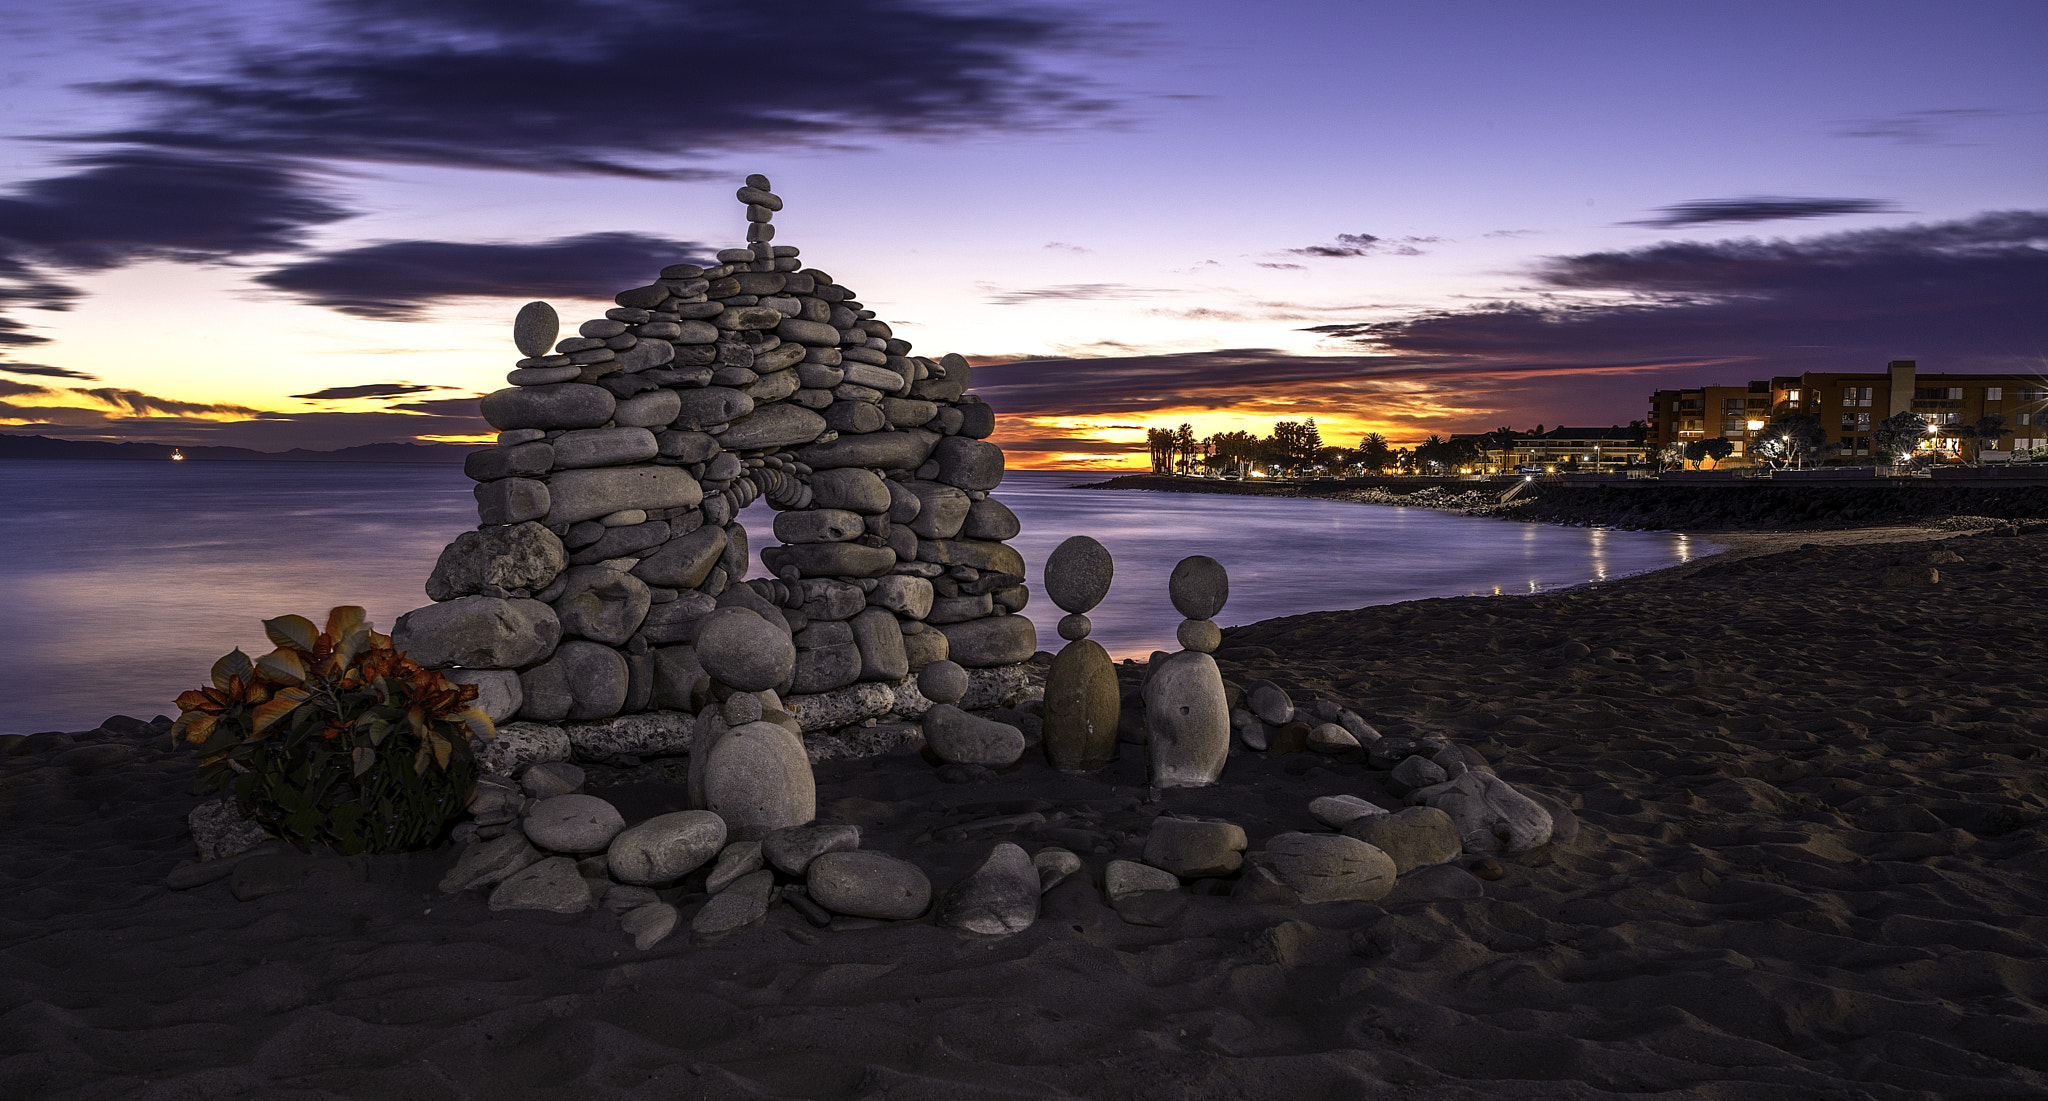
1792, 439
335, 737
1374, 454
1898, 436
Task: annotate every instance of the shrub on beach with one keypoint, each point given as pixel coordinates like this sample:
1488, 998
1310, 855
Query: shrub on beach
335, 737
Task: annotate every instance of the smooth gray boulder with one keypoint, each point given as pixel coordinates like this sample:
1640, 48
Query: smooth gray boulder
738, 858
1188, 718
1124, 878
497, 690
665, 848
1339, 811
984, 643
942, 509
1054, 865
525, 460
711, 406
824, 668
851, 488
868, 884
1415, 837
534, 328
813, 560
684, 561
1491, 816
649, 925
552, 884
478, 632
547, 779
879, 639
970, 464
1331, 738
578, 824
989, 518
818, 525
1195, 848
512, 500
1077, 574
904, 595
602, 604
488, 863
757, 778
739, 905
741, 650
999, 898
584, 680
791, 849
560, 405
943, 681
1199, 587
1327, 867
963, 739
1414, 773
653, 409
604, 447
906, 450
1270, 703
575, 495
776, 425
522, 556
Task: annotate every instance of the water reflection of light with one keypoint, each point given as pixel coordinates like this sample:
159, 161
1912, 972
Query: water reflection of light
1599, 548
1684, 548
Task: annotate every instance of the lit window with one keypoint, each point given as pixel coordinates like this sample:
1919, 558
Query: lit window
1994, 393
1791, 395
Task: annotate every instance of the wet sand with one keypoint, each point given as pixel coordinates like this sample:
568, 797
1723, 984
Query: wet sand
1808, 864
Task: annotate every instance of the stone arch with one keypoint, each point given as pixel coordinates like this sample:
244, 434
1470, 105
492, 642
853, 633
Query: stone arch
625, 453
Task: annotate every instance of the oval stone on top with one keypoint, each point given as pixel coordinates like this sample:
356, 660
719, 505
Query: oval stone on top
1078, 573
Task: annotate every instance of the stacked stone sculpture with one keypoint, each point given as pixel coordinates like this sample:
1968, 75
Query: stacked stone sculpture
1186, 710
1081, 696
626, 450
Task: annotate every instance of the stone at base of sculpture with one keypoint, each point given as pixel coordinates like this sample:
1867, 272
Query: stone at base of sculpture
1081, 707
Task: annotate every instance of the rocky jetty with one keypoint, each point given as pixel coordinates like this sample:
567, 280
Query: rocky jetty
608, 545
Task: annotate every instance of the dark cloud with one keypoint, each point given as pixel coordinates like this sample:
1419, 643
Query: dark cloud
12, 389
137, 403
1961, 295
1083, 292
1363, 244
1758, 208
1930, 127
394, 280
594, 85
124, 205
44, 370
1283, 267
372, 390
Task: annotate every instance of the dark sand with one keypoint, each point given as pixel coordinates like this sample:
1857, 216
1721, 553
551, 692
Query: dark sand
1809, 865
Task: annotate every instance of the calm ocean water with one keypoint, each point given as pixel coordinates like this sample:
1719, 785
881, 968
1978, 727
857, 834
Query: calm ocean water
121, 582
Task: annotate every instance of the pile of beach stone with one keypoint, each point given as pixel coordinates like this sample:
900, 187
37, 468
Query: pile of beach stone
625, 451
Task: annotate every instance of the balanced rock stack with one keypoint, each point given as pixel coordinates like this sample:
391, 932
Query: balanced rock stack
626, 451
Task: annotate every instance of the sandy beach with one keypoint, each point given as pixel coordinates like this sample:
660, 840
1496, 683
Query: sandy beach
1805, 861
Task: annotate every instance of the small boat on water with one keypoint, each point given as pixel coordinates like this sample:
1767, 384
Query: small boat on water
177, 456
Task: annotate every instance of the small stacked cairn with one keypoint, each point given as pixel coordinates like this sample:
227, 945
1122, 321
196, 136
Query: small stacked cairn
608, 536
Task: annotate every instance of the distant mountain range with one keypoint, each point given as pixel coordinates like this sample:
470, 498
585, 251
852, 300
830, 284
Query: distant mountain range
43, 447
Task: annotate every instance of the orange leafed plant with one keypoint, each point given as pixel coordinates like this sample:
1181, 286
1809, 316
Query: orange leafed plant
330, 738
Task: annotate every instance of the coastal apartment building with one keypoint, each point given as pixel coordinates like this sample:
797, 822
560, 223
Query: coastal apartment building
1851, 404
1562, 448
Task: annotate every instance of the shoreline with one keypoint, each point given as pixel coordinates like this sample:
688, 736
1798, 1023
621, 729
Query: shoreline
1808, 860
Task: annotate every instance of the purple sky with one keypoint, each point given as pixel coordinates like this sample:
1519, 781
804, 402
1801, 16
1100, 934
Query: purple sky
308, 224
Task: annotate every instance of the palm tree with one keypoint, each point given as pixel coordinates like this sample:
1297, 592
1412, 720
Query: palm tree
1501, 439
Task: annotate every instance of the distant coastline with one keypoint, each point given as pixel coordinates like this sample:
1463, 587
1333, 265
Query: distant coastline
43, 447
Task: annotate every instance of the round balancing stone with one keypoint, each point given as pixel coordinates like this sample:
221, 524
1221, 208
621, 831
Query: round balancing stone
1199, 635
1077, 574
535, 329
1199, 586
1075, 627
942, 681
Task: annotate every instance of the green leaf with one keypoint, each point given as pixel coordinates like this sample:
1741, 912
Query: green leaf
234, 664
293, 631
283, 666
364, 757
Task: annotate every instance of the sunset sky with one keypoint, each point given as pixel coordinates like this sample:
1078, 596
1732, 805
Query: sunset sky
276, 225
